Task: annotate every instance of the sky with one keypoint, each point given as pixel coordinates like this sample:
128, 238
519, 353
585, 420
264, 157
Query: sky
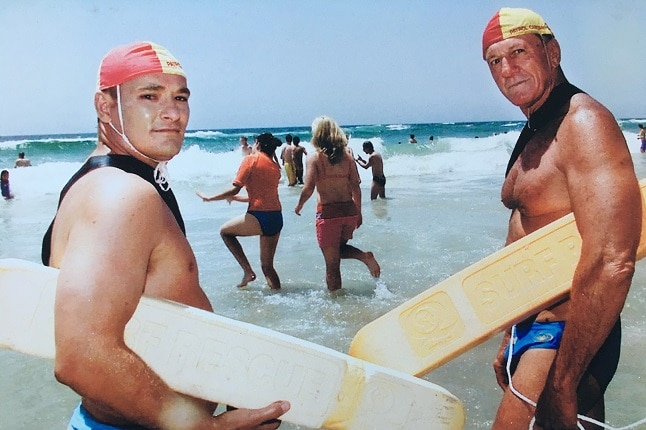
281, 63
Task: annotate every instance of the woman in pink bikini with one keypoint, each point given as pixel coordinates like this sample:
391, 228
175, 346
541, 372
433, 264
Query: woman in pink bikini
332, 172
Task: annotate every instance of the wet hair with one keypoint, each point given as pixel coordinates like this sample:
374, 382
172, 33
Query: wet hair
296, 140
288, 138
268, 143
111, 91
4, 175
368, 144
329, 139
546, 37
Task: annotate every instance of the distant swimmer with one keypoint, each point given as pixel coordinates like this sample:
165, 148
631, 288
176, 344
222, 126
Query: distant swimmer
4, 185
245, 149
377, 163
412, 139
21, 161
642, 137
287, 155
259, 173
299, 151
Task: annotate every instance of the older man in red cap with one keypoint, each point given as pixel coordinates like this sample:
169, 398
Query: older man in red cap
570, 157
119, 234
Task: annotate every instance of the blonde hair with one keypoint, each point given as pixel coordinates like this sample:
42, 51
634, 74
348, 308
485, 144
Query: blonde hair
328, 138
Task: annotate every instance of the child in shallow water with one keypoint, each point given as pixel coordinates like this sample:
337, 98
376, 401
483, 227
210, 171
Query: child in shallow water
4, 185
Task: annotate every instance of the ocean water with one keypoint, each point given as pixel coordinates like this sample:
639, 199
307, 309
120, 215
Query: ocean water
443, 213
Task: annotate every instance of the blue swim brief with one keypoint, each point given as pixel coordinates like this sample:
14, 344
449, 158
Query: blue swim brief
82, 420
547, 335
540, 335
271, 222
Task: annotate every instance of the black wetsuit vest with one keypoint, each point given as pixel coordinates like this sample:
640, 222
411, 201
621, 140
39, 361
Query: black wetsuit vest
556, 106
127, 164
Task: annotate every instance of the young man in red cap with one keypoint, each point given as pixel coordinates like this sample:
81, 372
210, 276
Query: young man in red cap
570, 157
118, 234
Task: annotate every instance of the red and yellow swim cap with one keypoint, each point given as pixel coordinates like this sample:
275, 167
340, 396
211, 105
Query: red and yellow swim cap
512, 22
136, 59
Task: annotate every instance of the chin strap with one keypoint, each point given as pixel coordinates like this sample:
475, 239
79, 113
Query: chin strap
161, 175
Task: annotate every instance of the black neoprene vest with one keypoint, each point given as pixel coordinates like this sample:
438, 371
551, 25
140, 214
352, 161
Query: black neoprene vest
554, 107
127, 164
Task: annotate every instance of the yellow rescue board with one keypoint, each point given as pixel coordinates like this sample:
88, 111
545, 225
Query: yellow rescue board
473, 305
227, 361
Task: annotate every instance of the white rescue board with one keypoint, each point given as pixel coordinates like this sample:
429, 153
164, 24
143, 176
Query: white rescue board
205, 355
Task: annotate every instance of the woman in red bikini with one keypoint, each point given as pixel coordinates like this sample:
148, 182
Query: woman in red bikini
332, 172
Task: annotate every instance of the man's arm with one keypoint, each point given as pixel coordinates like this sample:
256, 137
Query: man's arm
606, 202
229, 194
363, 163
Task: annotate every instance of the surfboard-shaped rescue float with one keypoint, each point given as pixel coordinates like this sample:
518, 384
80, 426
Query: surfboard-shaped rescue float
478, 302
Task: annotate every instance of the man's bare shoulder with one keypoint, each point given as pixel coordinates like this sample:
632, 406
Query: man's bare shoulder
588, 116
590, 133
113, 186
119, 217
107, 198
